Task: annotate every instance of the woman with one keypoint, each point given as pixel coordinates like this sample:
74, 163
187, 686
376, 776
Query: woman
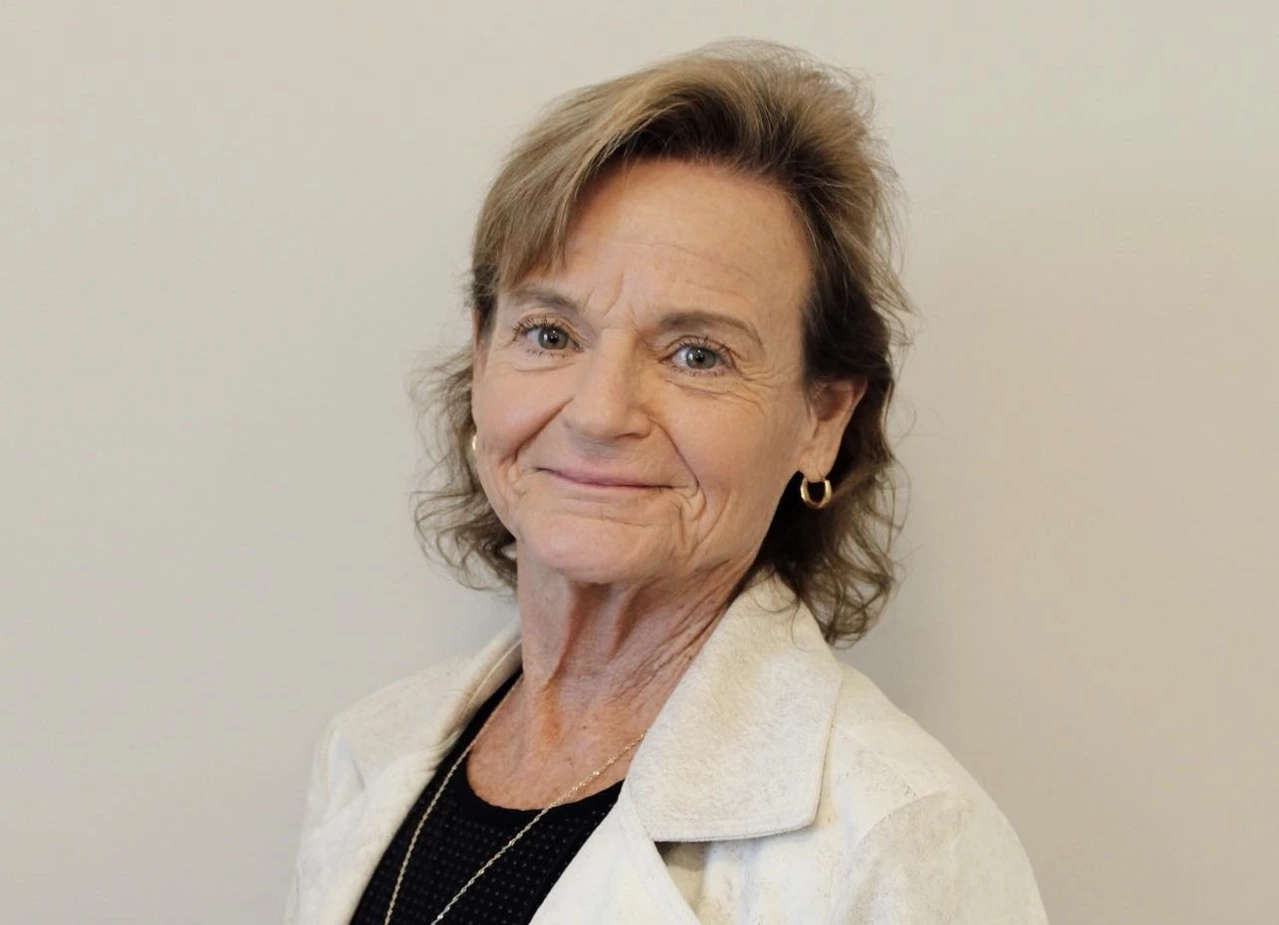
668, 440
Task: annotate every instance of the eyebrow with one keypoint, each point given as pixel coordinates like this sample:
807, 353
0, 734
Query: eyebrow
700, 318
683, 318
544, 296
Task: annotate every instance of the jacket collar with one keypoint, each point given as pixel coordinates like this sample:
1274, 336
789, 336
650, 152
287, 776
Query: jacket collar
738, 750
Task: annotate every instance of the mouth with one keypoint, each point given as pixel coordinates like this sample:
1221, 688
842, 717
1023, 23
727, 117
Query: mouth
586, 479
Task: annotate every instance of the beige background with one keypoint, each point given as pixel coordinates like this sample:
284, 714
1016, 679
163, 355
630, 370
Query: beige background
227, 228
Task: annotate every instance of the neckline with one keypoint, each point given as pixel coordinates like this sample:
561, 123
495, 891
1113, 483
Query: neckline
473, 804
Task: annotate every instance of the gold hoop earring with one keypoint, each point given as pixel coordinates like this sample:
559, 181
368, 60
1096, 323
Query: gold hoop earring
473, 436
808, 499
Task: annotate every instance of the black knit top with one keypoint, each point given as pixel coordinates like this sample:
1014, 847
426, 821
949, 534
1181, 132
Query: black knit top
462, 833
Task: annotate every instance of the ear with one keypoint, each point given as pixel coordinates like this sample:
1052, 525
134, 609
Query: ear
831, 405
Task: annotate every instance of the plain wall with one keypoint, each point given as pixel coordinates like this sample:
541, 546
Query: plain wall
227, 230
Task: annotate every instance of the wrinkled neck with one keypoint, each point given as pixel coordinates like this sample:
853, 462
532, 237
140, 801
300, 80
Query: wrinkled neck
611, 650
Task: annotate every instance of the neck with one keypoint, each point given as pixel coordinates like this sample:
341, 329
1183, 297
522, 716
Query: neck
599, 663
608, 656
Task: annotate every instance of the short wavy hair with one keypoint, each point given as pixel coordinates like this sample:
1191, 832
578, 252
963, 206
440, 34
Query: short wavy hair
768, 112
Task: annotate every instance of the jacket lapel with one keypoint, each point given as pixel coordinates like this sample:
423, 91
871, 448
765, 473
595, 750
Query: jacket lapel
739, 748
617, 877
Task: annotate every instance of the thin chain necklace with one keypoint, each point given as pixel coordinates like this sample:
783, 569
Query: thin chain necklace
563, 798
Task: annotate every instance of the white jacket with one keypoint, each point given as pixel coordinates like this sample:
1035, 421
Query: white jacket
776, 785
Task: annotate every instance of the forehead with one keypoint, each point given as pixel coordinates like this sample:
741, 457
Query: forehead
697, 235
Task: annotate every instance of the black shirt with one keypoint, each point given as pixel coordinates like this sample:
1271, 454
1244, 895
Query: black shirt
462, 833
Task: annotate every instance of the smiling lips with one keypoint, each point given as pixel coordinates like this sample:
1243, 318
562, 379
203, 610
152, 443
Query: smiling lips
588, 479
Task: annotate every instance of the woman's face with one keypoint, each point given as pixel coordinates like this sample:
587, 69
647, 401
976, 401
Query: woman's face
640, 409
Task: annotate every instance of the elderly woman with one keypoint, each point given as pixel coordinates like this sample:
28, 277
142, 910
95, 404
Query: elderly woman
668, 440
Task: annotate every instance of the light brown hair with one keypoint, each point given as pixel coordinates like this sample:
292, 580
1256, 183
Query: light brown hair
771, 113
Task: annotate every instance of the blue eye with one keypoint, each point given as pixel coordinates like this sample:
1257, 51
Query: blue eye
549, 337
699, 356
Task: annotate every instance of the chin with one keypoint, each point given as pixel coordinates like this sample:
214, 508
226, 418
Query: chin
594, 551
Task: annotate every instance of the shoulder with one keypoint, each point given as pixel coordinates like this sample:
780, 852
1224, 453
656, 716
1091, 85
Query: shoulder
385, 721
880, 760
362, 739
916, 827
424, 710
875, 742
413, 715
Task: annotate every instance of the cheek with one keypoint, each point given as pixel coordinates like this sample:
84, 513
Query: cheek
509, 410
742, 459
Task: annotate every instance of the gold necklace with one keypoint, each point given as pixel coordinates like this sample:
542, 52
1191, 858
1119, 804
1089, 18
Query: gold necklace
404, 865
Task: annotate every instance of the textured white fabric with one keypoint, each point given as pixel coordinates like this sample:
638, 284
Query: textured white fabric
776, 785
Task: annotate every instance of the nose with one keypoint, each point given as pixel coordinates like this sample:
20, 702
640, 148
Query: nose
608, 401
